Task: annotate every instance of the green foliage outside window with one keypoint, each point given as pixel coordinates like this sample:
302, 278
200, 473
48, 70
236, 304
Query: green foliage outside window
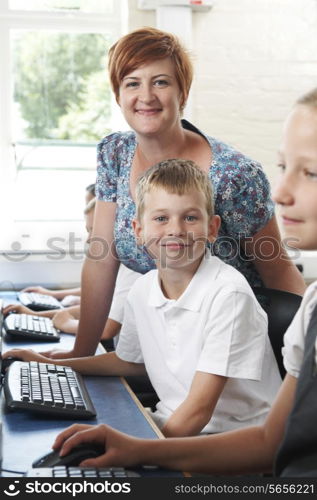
60, 85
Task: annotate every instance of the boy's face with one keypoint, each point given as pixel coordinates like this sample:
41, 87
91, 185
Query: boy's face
175, 228
296, 190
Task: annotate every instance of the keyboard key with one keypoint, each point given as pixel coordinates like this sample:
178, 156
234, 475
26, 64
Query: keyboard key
33, 327
87, 472
38, 302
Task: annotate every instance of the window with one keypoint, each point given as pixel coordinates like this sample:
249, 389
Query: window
55, 106
95, 6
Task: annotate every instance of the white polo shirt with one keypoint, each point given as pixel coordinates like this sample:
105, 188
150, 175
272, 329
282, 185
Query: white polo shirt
216, 326
125, 279
294, 338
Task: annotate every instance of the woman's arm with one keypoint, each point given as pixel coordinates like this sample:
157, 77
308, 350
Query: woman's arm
272, 261
98, 280
97, 284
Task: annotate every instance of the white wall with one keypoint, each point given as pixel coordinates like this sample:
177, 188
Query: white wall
252, 59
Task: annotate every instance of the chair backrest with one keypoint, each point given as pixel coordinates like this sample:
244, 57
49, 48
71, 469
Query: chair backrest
280, 307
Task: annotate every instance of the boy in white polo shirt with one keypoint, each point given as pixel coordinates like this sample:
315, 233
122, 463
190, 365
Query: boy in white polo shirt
193, 324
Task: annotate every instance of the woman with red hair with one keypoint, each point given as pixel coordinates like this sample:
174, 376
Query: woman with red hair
151, 75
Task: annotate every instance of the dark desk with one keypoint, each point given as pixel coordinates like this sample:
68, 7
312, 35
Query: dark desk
26, 435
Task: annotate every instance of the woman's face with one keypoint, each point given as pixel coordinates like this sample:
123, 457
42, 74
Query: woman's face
296, 189
150, 97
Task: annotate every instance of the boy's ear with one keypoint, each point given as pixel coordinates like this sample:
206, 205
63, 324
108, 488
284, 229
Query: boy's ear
214, 225
137, 228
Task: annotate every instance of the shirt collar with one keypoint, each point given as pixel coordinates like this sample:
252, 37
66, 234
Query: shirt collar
192, 298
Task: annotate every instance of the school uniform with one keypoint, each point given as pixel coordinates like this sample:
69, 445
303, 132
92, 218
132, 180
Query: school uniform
297, 454
216, 326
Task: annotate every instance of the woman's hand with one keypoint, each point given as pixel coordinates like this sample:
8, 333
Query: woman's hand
271, 260
119, 449
26, 355
17, 308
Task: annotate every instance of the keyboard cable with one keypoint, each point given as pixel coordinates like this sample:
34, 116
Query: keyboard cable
13, 471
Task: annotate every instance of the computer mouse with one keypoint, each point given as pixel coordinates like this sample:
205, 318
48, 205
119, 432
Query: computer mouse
6, 362
74, 457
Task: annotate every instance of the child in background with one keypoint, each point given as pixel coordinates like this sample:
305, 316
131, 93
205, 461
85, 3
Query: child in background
71, 296
90, 193
287, 442
58, 294
194, 324
67, 319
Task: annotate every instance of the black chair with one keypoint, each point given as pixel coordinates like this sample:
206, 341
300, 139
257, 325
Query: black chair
143, 389
280, 307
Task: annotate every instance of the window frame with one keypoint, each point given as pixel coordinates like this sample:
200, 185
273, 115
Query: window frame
63, 21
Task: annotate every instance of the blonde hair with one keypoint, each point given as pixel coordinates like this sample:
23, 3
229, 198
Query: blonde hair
309, 99
90, 206
176, 177
146, 45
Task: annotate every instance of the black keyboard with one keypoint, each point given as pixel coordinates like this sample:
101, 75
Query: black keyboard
87, 472
31, 327
47, 388
38, 301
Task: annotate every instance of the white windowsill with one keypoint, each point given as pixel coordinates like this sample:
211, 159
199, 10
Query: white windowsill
18, 270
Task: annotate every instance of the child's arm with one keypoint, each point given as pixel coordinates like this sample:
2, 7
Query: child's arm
197, 409
249, 450
111, 329
67, 320
58, 294
20, 309
103, 364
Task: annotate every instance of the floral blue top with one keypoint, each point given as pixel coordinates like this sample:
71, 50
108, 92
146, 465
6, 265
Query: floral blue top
241, 192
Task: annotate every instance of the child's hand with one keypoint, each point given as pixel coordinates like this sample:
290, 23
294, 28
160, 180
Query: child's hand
26, 355
57, 354
65, 322
71, 300
17, 308
39, 289
119, 449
